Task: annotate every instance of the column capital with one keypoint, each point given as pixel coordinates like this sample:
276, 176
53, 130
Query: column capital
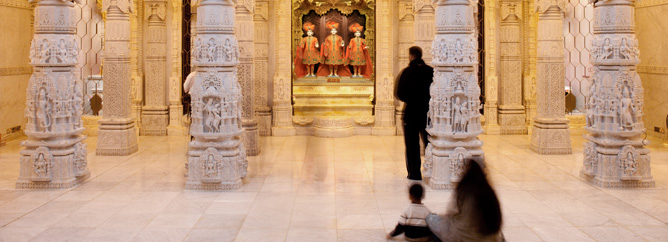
126, 6
543, 5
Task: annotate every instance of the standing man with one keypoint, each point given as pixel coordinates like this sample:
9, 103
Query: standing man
413, 89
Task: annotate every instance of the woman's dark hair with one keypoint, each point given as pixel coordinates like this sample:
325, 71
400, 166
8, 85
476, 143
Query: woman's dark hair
474, 187
416, 52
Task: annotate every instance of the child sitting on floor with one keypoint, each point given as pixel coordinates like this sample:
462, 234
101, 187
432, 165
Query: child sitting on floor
412, 222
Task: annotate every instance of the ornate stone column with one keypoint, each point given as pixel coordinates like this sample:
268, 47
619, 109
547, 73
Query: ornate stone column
615, 153
407, 34
511, 111
491, 77
455, 95
384, 109
176, 125
282, 109
216, 156
155, 112
530, 26
137, 60
550, 131
261, 63
424, 27
245, 32
54, 155
117, 133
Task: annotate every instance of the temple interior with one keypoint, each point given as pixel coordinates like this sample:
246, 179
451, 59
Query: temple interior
278, 120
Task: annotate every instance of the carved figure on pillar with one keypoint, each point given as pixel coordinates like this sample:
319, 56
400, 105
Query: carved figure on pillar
332, 54
55, 155
307, 55
357, 53
615, 153
117, 133
455, 96
216, 155
550, 131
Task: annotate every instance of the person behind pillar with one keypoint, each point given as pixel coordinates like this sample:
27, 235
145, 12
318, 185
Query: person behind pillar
475, 213
412, 88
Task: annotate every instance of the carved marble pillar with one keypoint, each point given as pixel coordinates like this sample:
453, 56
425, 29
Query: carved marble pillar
261, 64
245, 31
491, 77
511, 111
55, 155
550, 131
424, 27
406, 40
530, 26
384, 123
136, 61
176, 125
455, 96
117, 133
615, 153
282, 109
155, 112
216, 156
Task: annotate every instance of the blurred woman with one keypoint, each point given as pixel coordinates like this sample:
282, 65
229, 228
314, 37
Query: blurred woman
476, 212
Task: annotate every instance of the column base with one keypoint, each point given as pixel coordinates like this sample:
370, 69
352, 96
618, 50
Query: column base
492, 129
263, 117
53, 163
154, 121
251, 137
551, 138
615, 166
445, 164
116, 138
283, 131
176, 131
512, 122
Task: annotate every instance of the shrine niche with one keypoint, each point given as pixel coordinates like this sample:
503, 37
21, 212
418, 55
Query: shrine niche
333, 76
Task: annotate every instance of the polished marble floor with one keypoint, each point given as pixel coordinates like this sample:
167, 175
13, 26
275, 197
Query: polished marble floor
319, 189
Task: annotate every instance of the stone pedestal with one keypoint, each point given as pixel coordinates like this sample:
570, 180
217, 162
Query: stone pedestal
511, 111
54, 156
550, 131
455, 96
117, 133
615, 154
216, 156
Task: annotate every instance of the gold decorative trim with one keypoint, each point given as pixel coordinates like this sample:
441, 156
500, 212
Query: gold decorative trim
370, 84
653, 69
15, 71
650, 3
23, 4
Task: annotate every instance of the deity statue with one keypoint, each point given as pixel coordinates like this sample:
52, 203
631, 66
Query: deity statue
332, 53
43, 110
307, 53
357, 53
627, 111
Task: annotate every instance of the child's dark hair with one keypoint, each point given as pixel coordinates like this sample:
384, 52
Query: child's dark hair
416, 191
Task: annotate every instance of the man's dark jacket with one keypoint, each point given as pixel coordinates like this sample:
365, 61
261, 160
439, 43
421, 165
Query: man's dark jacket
413, 89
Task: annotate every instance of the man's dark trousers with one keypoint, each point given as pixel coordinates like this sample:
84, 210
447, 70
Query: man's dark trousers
413, 132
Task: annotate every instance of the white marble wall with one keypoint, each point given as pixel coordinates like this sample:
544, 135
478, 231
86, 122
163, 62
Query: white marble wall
652, 24
14, 67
